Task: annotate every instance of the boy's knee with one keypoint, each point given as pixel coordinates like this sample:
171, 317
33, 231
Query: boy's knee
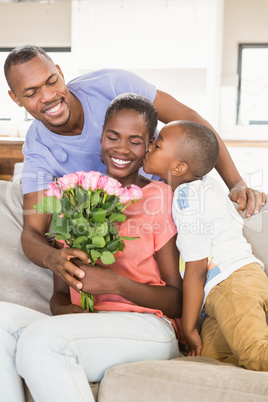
255, 358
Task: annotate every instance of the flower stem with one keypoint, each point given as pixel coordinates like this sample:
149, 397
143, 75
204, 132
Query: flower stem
87, 302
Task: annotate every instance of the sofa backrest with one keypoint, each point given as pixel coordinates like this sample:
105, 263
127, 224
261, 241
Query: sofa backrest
24, 283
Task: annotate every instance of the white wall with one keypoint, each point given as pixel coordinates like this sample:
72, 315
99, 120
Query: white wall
175, 41
35, 23
175, 44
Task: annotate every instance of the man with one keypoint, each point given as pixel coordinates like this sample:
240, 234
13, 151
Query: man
65, 137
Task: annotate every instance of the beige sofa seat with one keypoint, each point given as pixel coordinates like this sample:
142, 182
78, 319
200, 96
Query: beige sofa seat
183, 379
186, 379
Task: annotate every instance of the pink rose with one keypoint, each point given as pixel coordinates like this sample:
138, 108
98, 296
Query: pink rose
102, 183
54, 191
112, 187
125, 196
67, 181
90, 180
80, 177
136, 192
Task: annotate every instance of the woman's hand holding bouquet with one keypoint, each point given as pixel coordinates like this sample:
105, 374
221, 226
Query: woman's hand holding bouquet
85, 208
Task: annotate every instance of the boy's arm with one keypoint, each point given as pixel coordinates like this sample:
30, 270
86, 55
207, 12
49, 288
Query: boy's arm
60, 302
193, 293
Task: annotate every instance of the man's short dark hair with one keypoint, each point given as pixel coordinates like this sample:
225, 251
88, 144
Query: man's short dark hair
200, 147
21, 55
139, 104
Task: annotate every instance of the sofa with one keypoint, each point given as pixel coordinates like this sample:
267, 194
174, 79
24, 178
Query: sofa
186, 379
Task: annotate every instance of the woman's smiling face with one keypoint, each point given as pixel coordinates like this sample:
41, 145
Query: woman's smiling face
124, 141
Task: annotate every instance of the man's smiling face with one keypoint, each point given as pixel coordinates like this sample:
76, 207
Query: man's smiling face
39, 86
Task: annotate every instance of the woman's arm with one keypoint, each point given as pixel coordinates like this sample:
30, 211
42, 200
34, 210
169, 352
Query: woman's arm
169, 109
60, 302
99, 280
193, 294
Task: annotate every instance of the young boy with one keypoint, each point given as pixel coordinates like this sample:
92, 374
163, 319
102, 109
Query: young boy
221, 275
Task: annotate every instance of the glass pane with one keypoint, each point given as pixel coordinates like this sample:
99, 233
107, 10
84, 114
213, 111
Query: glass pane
254, 86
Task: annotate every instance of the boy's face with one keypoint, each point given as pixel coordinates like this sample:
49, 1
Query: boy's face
163, 153
124, 140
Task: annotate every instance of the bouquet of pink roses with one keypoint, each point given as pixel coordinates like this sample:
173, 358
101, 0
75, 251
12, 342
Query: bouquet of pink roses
85, 208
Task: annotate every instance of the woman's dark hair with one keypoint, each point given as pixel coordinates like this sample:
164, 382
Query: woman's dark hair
139, 104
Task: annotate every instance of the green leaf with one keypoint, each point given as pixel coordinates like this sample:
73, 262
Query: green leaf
108, 237
95, 254
121, 245
80, 226
90, 232
61, 225
95, 199
66, 206
73, 200
117, 217
99, 215
113, 229
128, 238
81, 194
107, 258
48, 204
119, 206
98, 241
59, 237
91, 246
101, 230
110, 203
82, 197
107, 205
80, 240
113, 245
50, 234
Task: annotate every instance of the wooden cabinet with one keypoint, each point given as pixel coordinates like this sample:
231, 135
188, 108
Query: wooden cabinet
10, 153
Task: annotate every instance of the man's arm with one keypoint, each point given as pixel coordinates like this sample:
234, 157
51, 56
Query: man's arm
193, 293
169, 109
39, 251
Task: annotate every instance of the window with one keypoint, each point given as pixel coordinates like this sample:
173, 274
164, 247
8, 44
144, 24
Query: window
253, 84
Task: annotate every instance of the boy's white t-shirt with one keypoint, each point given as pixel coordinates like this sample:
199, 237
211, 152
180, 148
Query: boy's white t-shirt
209, 226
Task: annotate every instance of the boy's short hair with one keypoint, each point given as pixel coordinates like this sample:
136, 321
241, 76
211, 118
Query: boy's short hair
21, 55
139, 104
200, 147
